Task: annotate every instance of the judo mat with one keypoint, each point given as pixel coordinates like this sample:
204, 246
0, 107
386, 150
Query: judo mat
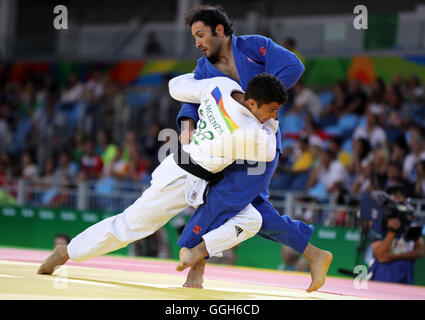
133, 278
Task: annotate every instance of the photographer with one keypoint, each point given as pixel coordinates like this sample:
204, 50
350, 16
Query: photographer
396, 243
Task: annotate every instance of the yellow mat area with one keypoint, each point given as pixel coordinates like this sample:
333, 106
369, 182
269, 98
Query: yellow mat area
19, 280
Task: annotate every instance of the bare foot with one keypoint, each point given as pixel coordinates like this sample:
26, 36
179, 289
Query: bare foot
319, 261
58, 257
189, 257
195, 277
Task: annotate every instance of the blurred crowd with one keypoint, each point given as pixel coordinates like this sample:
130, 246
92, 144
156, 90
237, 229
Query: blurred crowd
96, 130
350, 139
354, 139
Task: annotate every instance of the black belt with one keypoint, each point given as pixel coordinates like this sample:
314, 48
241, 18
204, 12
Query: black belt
185, 162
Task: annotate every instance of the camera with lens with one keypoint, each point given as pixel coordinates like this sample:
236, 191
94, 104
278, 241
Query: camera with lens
403, 211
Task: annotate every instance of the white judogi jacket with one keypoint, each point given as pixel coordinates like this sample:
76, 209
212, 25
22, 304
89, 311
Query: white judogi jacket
226, 130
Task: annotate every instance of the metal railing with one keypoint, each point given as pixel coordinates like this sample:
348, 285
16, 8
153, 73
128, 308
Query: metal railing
88, 196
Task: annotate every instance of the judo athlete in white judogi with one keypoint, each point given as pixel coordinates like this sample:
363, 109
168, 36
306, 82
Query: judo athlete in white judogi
224, 125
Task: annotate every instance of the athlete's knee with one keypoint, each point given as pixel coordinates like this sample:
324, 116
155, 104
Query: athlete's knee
254, 223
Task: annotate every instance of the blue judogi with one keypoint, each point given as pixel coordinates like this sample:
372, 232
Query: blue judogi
252, 54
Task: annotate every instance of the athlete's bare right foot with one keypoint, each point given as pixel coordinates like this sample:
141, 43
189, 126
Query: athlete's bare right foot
58, 257
195, 277
189, 257
319, 261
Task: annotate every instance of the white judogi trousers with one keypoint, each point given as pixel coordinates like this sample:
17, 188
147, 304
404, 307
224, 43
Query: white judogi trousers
172, 190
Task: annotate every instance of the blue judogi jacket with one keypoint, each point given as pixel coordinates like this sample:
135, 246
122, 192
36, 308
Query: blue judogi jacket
253, 54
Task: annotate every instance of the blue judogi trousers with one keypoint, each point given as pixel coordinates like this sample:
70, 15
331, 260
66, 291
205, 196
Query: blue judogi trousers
234, 193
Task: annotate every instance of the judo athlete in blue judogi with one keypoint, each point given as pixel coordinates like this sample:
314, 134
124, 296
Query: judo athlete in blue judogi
241, 58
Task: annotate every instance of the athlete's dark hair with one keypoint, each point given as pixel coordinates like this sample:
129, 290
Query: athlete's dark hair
266, 88
211, 16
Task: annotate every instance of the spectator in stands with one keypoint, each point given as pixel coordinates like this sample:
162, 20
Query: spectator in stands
315, 148
30, 171
91, 164
28, 99
414, 89
59, 195
417, 153
356, 100
289, 259
416, 103
314, 131
96, 84
361, 152
399, 150
395, 176
304, 161
105, 148
291, 44
11, 169
394, 127
6, 131
292, 261
119, 167
73, 92
47, 178
49, 129
306, 99
130, 142
120, 110
398, 80
4, 173
156, 245
168, 108
61, 239
229, 257
65, 169
137, 166
153, 47
302, 265
363, 180
397, 105
151, 145
420, 182
89, 110
7, 195
46, 88
335, 145
377, 100
331, 174
378, 91
373, 132
77, 147
380, 162
337, 107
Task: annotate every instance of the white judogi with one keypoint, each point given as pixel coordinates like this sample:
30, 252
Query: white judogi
221, 119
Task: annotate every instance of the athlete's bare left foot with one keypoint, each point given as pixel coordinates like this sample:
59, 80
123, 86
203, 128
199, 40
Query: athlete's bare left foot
195, 277
319, 261
189, 257
58, 257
